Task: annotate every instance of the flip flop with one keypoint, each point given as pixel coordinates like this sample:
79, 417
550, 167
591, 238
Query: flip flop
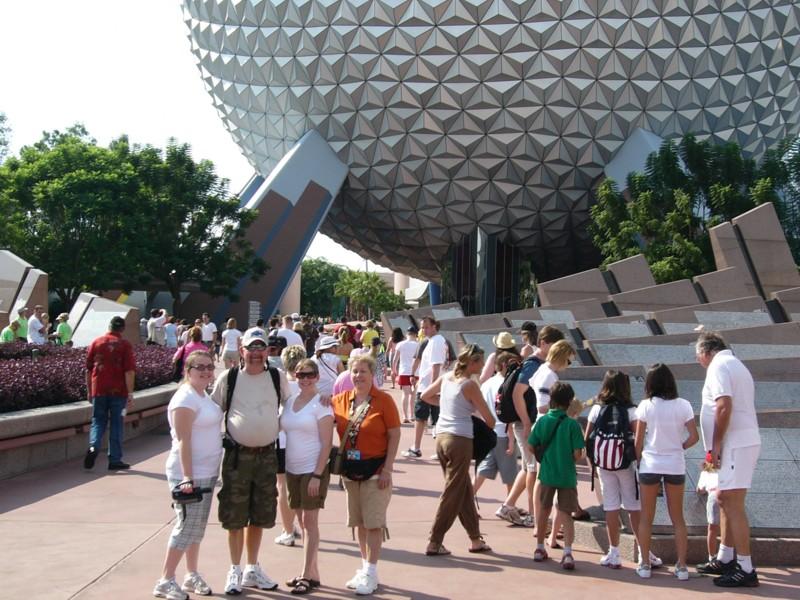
303, 586
296, 580
439, 551
484, 547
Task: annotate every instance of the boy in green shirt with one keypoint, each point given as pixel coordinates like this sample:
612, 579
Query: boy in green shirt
63, 335
9, 334
562, 440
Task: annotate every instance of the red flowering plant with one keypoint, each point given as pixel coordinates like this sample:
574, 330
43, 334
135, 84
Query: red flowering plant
32, 376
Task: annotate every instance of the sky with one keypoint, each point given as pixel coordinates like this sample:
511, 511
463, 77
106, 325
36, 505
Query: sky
118, 67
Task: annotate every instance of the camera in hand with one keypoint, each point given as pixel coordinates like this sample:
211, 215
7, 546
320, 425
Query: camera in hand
196, 495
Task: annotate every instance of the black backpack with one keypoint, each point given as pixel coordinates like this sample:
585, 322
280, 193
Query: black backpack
504, 402
611, 443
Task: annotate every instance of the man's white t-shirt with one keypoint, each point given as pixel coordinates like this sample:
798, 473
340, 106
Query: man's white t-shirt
230, 340
209, 329
206, 434
292, 337
302, 434
489, 391
34, 325
541, 382
727, 376
666, 420
328, 365
406, 351
435, 353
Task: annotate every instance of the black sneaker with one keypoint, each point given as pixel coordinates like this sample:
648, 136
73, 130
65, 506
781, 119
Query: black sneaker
716, 567
737, 578
118, 466
91, 456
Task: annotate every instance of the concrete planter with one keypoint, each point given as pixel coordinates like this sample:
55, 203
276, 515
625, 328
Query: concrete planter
42, 437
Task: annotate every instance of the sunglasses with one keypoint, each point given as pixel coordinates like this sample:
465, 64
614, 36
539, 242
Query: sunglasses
203, 367
305, 374
255, 348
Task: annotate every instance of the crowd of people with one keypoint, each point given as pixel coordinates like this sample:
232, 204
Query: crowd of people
33, 326
280, 399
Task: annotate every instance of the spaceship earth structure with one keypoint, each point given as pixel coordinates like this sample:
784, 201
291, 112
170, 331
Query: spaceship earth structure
497, 114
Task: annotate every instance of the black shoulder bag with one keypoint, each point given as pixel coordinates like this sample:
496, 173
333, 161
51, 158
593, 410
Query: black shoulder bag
540, 449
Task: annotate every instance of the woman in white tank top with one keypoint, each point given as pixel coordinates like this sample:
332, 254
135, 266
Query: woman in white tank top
458, 396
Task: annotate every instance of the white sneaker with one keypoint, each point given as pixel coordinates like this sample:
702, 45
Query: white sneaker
169, 589
285, 539
193, 582
233, 582
644, 571
655, 562
682, 573
611, 560
367, 585
412, 453
355, 581
255, 577
510, 514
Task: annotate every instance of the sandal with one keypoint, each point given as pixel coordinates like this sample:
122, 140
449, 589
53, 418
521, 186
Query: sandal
484, 547
438, 550
296, 580
303, 585
540, 555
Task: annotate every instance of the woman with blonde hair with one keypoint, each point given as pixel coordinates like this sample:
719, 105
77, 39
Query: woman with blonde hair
192, 464
368, 425
231, 342
458, 396
345, 345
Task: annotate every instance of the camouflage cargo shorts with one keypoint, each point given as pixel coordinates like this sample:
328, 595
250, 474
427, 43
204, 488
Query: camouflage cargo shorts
249, 494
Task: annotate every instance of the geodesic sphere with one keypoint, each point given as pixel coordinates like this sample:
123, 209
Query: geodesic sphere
498, 114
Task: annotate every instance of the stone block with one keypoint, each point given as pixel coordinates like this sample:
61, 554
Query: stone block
12, 273
587, 285
475, 323
791, 438
790, 301
632, 273
762, 351
769, 253
32, 291
443, 313
657, 297
631, 353
97, 313
728, 253
725, 314
603, 331
724, 284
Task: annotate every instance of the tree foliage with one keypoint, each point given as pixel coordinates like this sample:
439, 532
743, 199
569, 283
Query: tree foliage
317, 287
367, 292
684, 191
98, 218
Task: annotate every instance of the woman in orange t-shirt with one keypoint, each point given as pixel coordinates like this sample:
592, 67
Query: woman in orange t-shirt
369, 450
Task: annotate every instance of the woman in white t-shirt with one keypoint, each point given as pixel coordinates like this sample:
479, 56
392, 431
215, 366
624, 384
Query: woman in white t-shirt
662, 422
618, 487
308, 426
231, 342
193, 463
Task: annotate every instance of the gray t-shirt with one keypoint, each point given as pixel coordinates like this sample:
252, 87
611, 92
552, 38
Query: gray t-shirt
455, 411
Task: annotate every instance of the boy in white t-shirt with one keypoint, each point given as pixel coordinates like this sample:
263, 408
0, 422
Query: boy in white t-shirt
403, 367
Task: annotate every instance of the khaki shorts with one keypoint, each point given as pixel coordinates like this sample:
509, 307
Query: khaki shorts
567, 498
297, 489
231, 355
366, 504
249, 494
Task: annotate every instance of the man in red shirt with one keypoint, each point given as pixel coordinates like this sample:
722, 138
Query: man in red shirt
110, 369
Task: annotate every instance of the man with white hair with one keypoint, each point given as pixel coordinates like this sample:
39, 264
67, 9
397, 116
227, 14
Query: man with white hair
733, 443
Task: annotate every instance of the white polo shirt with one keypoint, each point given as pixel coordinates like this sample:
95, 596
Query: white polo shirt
727, 376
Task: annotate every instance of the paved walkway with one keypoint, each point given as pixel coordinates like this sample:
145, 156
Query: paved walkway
65, 534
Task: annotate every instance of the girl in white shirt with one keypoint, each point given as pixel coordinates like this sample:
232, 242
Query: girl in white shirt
662, 421
308, 426
231, 342
193, 462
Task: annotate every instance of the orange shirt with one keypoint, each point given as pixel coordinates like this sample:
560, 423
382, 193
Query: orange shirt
382, 415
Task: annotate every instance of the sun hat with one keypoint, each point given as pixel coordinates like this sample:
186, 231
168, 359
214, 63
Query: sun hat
503, 341
327, 341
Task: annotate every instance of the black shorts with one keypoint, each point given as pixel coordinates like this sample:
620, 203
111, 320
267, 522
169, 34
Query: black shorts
423, 410
654, 478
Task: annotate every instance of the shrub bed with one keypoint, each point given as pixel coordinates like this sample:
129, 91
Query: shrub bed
32, 376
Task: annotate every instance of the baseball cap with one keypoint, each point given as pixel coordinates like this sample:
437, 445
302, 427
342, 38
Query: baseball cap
254, 335
276, 341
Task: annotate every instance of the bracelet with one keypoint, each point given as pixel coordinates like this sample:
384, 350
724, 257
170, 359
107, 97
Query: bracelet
315, 476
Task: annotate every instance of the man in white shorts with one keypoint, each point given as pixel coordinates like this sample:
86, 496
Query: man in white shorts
730, 435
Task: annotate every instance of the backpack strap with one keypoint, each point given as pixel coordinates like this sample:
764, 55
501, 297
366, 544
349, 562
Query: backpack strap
276, 381
233, 373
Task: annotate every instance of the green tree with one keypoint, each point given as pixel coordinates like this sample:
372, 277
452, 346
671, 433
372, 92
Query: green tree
198, 229
317, 284
73, 210
367, 292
